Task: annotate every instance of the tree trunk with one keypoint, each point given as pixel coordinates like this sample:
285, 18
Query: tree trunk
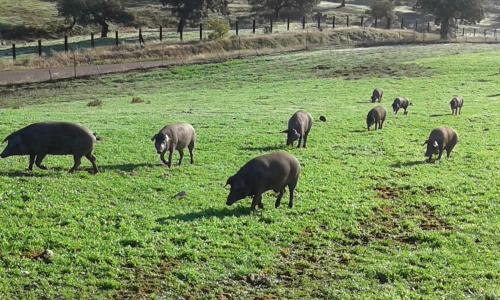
445, 28
342, 4
104, 28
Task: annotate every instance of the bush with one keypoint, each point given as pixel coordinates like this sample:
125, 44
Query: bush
382, 9
95, 102
219, 28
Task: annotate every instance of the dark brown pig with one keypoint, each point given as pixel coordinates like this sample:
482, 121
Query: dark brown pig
439, 139
377, 95
399, 103
299, 126
456, 105
175, 137
55, 138
274, 171
376, 116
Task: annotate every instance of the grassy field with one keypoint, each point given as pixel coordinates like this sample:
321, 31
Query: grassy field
371, 218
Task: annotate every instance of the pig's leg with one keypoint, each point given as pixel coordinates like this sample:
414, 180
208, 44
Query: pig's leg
162, 157
32, 161
440, 151
305, 140
78, 161
300, 141
291, 187
278, 200
191, 147
38, 161
256, 200
181, 156
92, 160
460, 110
170, 152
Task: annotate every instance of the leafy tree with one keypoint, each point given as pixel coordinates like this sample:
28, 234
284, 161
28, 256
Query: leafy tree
382, 9
447, 11
277, 5
100, 12
195, 9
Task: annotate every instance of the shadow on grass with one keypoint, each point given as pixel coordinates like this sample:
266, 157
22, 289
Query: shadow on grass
25, 173
493, 96
128, 167
438, 115
358, 130
263, 148
207, 213
409, 163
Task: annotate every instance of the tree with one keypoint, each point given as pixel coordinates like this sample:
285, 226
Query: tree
277, 5
447, 11
342, 4
382, 9
195, 9
85, 12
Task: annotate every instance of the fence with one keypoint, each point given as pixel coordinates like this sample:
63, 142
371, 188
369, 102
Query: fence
238, 27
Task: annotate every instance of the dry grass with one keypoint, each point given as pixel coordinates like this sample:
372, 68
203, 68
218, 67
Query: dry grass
208, 50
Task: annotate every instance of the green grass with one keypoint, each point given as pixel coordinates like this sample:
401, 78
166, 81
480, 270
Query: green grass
371, 219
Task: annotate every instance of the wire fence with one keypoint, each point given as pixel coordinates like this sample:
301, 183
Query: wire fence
240, 27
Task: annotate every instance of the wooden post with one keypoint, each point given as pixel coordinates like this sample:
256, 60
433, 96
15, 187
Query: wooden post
304, 22
271, 25
65, 43
319, 21
116, 37
181, 31
288, 24
389, 21
201, 31
39, 47
333, 22
347, 23
14, 51
428, 26
92, 42
161, 33
253, 26
362, 21
402, 22
416, 25
474, 32
237, 28
376, 22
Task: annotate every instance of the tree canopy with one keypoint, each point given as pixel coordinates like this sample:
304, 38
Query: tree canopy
447, 11
277, 5
382, 9
100, 12
195, 9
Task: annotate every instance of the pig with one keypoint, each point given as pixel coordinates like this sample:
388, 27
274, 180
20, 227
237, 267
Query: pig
376, 116
273, 171
456, 105
399, 103
439, 139
54, 138
299, 126
175, 137
377, 95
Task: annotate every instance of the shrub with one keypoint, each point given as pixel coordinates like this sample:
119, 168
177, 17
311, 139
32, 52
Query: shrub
95, 102
219, 28
382, 9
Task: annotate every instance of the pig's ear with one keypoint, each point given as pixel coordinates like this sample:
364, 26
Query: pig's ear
154, 137
285, 131
426, 142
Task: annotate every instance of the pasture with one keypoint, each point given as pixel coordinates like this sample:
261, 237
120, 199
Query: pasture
371, 218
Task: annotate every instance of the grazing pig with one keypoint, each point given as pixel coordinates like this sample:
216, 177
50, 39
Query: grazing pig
377, 95
54, 138
456, 105
274, 171
439, 139
376, 116
299, 126
399, 103
175, 137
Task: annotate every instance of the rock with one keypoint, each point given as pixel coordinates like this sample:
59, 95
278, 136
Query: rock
47, 255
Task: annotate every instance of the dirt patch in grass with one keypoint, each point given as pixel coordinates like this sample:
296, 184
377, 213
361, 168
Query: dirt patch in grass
365, 71
389, 193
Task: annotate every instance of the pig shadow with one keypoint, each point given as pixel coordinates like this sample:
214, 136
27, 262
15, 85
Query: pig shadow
128, 167
25, 174
493, 96
439, 115
358, 130
263, 148
409, 163
207, 213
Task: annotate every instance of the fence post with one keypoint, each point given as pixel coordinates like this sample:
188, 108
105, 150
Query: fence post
428, 26
402, 22
463, 31
271, 25
474, 32
201, 31
362, 21
376, 22
288, 24
161, 33
416, 25
253, 26
39, 47
485, 34
347, 23
303, 22
333, 22
116, 37
237, 28
389, 21
14, 51
319, 21
496, 36
65, 43
92, 42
